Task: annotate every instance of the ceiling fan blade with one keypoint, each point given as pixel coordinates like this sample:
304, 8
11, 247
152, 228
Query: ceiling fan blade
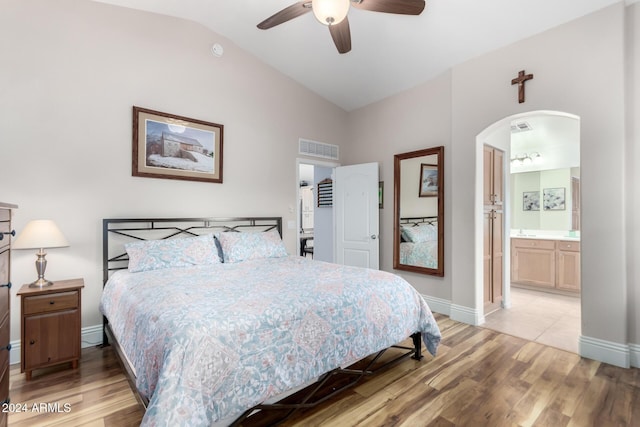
341, 35
286, 14
403, 7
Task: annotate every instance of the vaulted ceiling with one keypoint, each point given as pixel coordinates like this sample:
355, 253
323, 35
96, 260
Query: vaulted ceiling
390, 53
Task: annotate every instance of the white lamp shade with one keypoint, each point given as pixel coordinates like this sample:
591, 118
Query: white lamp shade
40, 233
330, 12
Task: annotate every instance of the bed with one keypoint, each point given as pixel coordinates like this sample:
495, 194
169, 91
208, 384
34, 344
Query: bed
419, 241
208, 342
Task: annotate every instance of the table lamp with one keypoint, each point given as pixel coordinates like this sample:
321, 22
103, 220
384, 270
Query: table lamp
40, 234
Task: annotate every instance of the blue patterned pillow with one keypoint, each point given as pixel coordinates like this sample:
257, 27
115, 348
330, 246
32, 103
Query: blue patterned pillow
238, 247
156, 254
420, 233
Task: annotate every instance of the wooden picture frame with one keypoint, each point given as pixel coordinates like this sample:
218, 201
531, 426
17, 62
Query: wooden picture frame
175, 147
428, 180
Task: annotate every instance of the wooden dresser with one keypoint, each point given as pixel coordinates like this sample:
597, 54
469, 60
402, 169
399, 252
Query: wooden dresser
6, 232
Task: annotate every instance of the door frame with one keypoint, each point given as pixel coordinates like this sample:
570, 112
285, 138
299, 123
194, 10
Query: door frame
304, 161
502, 126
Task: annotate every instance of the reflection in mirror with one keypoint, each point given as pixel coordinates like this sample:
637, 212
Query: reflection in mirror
418, 241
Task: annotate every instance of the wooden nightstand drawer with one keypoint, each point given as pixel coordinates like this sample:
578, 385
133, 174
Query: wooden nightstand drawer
50, 302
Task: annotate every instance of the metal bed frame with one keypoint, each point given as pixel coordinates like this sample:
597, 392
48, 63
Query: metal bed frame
415, 221
114, 257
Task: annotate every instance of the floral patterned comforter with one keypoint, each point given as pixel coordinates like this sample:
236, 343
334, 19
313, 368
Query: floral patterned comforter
422, 254
209, 342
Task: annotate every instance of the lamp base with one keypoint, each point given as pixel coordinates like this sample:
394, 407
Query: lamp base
41, 283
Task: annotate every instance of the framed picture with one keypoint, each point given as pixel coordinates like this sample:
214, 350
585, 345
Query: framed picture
531, 201
553, 199
428, 180
380, 194
175, 147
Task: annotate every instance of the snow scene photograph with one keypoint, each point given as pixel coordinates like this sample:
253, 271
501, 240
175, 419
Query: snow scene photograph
179, 147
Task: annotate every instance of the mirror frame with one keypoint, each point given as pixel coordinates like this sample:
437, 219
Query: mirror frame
439, 152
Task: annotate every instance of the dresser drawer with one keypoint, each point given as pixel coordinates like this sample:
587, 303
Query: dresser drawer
4, 385
4, 343
4, 280
569, 246
5, 229
52, 302
534, 243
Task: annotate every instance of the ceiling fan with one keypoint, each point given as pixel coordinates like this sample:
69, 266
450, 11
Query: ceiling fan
333, 13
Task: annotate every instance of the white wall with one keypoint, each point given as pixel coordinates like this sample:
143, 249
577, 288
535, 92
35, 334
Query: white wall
72, 70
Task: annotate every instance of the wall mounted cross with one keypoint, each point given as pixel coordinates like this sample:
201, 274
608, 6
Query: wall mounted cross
520, 82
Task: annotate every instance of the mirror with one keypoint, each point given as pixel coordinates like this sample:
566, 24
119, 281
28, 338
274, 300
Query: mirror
418, 235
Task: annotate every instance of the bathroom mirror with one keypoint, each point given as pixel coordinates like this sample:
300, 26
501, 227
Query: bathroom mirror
418, 187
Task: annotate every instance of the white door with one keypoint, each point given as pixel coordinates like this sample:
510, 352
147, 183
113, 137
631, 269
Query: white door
355, 203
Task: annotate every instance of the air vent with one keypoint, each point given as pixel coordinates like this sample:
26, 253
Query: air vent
317, 149
520, 127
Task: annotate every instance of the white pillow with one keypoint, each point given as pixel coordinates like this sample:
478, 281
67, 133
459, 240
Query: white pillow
238, 247
157, 254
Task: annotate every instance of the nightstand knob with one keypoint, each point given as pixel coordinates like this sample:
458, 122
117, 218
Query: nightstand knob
32, 342
7, 285
52, 302
7, 347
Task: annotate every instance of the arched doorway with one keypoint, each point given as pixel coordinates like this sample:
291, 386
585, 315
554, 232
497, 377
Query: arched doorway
541, 149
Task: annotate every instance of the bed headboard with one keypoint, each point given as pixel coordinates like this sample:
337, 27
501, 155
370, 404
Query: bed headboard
118, 231
414, 221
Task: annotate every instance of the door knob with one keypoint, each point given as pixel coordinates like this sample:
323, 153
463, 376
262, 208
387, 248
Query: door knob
374, 237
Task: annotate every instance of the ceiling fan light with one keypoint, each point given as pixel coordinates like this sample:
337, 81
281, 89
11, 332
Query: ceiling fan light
330, 12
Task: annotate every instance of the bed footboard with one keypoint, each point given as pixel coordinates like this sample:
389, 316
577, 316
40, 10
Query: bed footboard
328, 386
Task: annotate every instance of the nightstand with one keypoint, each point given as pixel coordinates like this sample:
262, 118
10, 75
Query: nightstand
50, 326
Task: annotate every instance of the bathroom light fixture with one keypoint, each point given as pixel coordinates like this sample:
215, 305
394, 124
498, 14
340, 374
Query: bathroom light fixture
525, 158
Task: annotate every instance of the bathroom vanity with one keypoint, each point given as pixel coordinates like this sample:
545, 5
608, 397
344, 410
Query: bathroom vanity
546, 262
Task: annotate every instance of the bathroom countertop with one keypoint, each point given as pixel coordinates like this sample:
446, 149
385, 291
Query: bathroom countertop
545, 237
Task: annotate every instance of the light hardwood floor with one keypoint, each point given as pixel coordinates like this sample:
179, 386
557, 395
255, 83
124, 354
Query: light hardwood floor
480, 377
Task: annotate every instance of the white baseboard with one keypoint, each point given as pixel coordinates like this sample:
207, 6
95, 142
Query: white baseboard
605, 351
438, 305
634, 350
89, 337
467, 315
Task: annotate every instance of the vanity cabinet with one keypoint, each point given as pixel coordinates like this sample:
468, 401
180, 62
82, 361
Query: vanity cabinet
533, 262
546, 264
568, 255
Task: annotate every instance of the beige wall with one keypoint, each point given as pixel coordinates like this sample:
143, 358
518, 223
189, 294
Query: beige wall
412, 120
70, 72
579, 69
632, 189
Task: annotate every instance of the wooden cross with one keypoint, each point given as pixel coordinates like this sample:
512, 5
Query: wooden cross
520, 82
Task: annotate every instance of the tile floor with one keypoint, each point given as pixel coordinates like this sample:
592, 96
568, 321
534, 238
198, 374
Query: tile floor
543, 317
